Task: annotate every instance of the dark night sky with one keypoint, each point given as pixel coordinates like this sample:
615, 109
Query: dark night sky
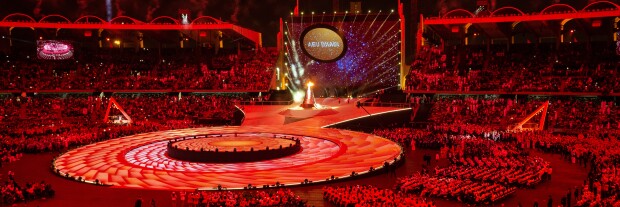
260, 15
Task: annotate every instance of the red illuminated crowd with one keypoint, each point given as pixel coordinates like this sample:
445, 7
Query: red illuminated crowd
523, 68
366, 195
263, 198
248, 70
44, 123
12, 193
574, 113
487, 157
482, 169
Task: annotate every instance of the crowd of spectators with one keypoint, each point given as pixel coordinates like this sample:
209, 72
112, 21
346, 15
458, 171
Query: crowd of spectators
366, 195
485, 166
43, 123
139, 71
493, 112
259, 198
459, 189
12, 192
474, 133
161, 107
521, 68
599, 150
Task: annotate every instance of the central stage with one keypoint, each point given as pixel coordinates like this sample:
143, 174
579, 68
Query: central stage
233, 142
141, 161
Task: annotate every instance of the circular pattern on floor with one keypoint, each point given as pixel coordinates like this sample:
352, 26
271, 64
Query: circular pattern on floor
230, 142
140, 161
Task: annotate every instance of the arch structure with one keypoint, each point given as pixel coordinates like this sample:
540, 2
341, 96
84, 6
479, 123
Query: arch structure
558, 12
20, 20
601, 5
507, 11
15, 18
458, 13
54, 18
164, 20
89, 19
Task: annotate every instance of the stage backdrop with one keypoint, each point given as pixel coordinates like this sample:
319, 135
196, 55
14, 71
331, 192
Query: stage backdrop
352, 53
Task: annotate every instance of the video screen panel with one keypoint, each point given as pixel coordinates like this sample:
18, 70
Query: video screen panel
370, 57
54, 49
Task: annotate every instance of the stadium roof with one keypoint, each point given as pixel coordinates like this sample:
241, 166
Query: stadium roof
55, 21
504, 21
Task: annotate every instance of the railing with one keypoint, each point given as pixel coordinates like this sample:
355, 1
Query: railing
384, 104
266, 103
499, 92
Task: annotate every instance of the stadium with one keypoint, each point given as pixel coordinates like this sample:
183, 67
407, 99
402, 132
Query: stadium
310, 103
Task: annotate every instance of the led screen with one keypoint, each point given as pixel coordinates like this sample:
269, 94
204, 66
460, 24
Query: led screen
323, 43
359, 54
54, 49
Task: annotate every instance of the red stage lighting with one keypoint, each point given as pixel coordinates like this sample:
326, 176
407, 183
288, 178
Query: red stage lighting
596, 23
455, 29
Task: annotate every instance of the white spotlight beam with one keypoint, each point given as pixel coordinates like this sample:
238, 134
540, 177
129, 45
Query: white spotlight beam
373, 22
381, 26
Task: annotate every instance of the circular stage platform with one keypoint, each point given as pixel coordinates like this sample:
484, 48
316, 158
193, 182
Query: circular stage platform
231, 142
141, 161
233, 148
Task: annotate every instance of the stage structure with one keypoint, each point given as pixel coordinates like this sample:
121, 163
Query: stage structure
117, 120
309, 100
197, 28
342, 52
542, 111
141, 161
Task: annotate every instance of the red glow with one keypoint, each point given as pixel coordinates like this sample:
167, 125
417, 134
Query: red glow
122, 22
455, 29
54, 50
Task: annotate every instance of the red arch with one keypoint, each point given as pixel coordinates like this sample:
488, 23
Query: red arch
54, 15
458, 11
598, 2
90, 16
135, 21
206, 17
20, 15
507, 8
573, 10
165, 17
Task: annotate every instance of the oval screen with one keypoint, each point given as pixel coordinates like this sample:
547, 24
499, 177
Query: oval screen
323, 43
